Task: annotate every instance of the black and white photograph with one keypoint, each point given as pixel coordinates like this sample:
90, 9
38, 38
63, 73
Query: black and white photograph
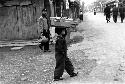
62, 41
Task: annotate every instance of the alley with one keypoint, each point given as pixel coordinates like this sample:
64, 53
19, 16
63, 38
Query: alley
103, 42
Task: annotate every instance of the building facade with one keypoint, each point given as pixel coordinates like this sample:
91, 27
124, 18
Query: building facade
18, 18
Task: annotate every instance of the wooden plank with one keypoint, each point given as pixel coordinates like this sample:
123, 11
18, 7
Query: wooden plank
16, 48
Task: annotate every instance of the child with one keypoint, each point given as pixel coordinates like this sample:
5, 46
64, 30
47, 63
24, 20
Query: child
62, 61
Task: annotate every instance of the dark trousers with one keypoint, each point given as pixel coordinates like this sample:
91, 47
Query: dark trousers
44, 45
108, 17
81, 17
122, 17
94, 13
115, 18
62, 63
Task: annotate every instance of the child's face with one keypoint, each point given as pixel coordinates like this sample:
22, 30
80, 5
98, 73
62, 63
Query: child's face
63, 32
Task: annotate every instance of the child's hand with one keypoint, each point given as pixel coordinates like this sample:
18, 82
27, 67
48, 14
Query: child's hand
54, 38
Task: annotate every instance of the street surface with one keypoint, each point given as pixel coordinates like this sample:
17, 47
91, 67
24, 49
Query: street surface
103, 42
99, 57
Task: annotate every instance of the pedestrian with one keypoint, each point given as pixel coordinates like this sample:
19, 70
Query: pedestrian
107, 12
94, 11
62, 61
81, 16
115, 13
44, 30
122, 11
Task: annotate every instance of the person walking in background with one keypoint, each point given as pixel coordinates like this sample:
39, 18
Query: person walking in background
44, 30
94, 11
62, 61
115, 13
107, 12
81, 16
122, 11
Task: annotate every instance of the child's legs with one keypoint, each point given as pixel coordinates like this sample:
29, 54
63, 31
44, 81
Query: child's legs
60, 65
68, 66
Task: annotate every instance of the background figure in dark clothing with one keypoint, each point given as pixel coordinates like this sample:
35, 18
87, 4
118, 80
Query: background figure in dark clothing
62, 61
81, 16
122, 11
44, 30
107, 13
94, 11
115, 13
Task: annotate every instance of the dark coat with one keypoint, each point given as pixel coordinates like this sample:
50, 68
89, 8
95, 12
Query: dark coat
115, 11
61, 45
46, 33
121, 10
107, 10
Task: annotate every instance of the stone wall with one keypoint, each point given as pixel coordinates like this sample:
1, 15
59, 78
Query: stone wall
18, 19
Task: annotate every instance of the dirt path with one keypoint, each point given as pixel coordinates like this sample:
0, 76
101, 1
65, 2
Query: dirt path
104, 43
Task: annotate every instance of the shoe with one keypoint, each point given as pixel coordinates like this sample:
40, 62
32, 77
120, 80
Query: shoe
74, 74
57, 79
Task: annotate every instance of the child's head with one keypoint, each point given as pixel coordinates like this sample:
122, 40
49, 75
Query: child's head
63, 32
60, 31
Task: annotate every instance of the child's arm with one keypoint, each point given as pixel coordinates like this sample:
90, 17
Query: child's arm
55, 38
